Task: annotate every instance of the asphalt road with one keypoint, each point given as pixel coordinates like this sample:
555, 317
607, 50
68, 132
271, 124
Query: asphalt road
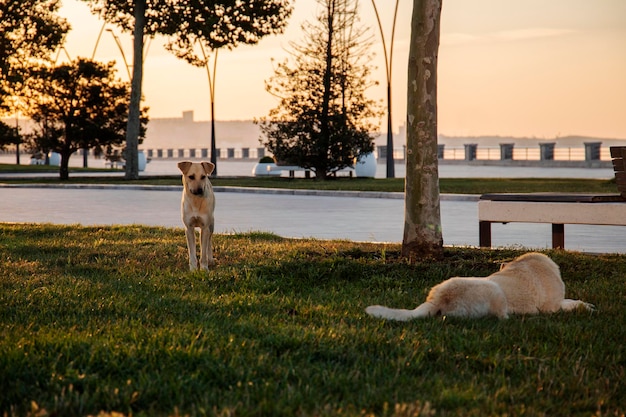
328, 216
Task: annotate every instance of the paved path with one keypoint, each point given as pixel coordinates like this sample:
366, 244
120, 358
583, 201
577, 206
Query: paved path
288, 213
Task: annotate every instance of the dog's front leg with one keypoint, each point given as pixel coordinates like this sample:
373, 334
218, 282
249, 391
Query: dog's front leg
206, 248
190, 233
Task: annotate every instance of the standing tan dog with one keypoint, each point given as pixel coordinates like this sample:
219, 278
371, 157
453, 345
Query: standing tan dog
197, 206
529, 284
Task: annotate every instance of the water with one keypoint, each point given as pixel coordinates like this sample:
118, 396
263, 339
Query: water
245, 168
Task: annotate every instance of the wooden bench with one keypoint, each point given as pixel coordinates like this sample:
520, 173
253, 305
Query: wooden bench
557, 208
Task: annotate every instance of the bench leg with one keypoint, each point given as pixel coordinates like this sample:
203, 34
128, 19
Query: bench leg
558, 236
484, 234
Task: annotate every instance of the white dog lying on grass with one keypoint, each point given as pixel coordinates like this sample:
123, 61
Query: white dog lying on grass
529, 284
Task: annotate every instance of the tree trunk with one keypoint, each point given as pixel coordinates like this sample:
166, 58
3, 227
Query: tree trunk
85, 157
422, 217
134, 124
64, 168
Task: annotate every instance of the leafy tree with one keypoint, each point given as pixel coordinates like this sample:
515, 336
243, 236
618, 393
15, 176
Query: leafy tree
30, 30
187, 23
323, 120
422, 218
80, 105
8, 135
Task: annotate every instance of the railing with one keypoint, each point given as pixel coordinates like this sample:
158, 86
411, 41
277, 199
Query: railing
543, 152
469, 152
194, 153
523, 154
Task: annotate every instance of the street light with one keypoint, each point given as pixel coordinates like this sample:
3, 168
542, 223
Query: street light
17, 131
388, 62
95, 47
119, 46
212, 97
67, 55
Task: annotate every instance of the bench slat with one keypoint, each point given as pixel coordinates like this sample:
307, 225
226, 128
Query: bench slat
609, 209
610, 214
554, 197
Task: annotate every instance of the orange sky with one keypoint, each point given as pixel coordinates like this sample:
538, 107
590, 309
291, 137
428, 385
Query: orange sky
506, 67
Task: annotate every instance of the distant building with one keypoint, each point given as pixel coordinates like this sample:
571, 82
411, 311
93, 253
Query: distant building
186, 133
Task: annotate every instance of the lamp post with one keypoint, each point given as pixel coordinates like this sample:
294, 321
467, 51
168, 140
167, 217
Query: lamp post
117, 42
95, 47
119, 46
388, 67
212, 98
17, 133
133, 158
67, 55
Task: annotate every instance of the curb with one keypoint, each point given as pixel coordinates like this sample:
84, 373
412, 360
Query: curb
243, 190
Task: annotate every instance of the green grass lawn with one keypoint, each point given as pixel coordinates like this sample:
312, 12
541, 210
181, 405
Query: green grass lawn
110, 320
447, 185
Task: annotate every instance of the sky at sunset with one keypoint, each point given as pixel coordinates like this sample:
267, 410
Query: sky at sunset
535, 68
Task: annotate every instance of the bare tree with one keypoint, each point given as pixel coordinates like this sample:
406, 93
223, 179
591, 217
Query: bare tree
422, 217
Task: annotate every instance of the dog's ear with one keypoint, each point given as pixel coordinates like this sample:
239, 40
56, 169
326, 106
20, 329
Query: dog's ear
208, 167
184, 166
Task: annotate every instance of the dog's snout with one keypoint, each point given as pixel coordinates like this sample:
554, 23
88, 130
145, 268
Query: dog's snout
197, 191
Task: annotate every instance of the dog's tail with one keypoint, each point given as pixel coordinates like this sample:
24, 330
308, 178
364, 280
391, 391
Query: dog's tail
424, 310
